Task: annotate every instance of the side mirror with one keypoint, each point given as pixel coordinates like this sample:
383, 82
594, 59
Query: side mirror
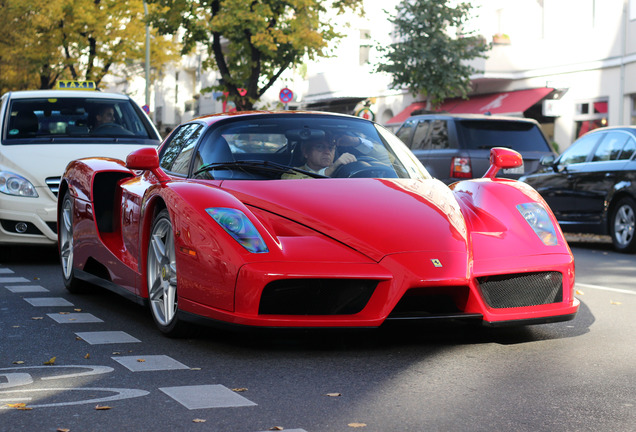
146, 159
501, 158
547, 160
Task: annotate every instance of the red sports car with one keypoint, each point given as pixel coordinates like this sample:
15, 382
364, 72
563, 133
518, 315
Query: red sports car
299, 219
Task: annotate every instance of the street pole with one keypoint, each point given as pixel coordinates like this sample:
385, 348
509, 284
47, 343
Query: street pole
147, 56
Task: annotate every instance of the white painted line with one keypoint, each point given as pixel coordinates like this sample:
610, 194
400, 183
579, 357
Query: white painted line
4, 280
107, 337
144, 363
120, 393
48, 301
5, 271
74, 318
17, 289
602, 288
206, 396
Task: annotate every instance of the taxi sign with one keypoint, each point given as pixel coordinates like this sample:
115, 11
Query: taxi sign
75, 85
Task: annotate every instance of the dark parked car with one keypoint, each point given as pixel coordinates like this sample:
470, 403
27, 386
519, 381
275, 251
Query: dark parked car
456, 147
591, 187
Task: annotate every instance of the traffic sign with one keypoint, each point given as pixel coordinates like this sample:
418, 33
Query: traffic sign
286, 95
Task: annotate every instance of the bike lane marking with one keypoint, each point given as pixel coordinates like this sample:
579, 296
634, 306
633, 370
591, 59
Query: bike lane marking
48, 302
19, 289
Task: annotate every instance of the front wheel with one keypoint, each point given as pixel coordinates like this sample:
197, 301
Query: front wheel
623, 224
162, 277
65, 241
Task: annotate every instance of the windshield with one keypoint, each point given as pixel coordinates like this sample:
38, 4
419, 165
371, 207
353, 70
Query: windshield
41, 120
280, 146
517, 135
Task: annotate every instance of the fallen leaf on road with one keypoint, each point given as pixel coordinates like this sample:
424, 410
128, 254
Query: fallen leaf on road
37, 318
18, 362
87, 356
63, 430
333, 394
615, 302
357, 425
198, 421
77, 310
102, 407
579, 292
141, 360
19, 406
51, 362
65, 313
240, 389
276, 428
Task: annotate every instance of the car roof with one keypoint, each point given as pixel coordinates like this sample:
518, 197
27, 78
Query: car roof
471, 117
626, 128
30, 94
213, 118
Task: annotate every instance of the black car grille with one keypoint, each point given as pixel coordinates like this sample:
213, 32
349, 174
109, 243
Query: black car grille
54, 184
316, 296
522, 289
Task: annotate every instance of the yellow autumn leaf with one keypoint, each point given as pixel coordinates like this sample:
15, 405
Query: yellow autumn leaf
18, 362
240, 389
579, 292
357, 425
64, 313
63, 430
615, 302
77, 310
51, 361
198, 421
333, 394
276, 428
37, 318
87, 356
102, 407
140, 360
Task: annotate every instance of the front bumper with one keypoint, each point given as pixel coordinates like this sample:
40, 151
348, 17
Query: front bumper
28, 220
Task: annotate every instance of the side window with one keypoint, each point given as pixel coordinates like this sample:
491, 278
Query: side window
405, 131
172, 158
579, 151
628, 150
420, 138
439, 135
610, 147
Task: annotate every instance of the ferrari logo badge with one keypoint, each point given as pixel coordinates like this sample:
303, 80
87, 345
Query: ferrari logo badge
436, 262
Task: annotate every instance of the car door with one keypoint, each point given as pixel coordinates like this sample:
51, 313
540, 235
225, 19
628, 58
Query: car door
557, 183
597, 178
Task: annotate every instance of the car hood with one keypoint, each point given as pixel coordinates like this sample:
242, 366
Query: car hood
377, 217
37, 162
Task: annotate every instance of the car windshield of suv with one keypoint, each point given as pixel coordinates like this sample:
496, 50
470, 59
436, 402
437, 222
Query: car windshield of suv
41, 120
519, 136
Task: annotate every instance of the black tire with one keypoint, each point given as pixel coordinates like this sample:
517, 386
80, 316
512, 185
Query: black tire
622, 225
66, 246
161, 271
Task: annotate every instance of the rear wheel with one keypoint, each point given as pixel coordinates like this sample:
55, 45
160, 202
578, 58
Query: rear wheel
65, 240
623, 224
162, 277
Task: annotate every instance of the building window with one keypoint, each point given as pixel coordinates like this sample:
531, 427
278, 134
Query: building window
590, 114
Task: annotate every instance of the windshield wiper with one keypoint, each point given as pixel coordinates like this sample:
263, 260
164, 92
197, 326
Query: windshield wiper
256, 164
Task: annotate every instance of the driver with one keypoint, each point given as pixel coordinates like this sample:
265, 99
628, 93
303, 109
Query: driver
105, 115
319, 156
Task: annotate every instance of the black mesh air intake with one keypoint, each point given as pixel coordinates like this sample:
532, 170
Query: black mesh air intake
522, 289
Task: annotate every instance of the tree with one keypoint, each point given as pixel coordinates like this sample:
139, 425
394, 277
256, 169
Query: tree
47, 40
252, 42
430, 54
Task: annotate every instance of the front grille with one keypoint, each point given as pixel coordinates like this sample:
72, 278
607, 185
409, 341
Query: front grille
522, 289
316, 296
54, 184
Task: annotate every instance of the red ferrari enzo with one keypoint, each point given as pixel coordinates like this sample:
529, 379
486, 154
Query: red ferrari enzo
298, 219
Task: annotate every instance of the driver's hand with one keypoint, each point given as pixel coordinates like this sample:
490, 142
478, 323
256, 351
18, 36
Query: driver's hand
344, 159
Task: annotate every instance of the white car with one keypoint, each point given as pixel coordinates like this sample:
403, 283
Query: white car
41, 132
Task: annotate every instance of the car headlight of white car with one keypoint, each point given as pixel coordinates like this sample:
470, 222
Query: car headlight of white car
13, 184
539, 220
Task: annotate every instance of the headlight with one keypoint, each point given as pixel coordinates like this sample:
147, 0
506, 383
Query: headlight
538, 219
236, 224
13, 184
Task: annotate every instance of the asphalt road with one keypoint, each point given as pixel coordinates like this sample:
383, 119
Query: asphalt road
112, 371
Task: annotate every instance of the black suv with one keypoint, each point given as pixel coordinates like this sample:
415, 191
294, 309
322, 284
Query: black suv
454, 147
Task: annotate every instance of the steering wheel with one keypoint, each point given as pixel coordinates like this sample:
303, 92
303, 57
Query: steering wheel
111, 128
365, 166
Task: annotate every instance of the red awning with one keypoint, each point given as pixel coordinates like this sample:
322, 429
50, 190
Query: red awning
512, 102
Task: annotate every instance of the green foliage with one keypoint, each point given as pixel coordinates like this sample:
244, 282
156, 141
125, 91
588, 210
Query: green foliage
46, 40
430, 55
252, 42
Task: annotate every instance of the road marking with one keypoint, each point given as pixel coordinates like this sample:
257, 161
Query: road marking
6, 271
48, 301
107, 337
602, 288
4, 280
206, 396
142, 363
93, 370
74, 318
17, 289
121, 393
